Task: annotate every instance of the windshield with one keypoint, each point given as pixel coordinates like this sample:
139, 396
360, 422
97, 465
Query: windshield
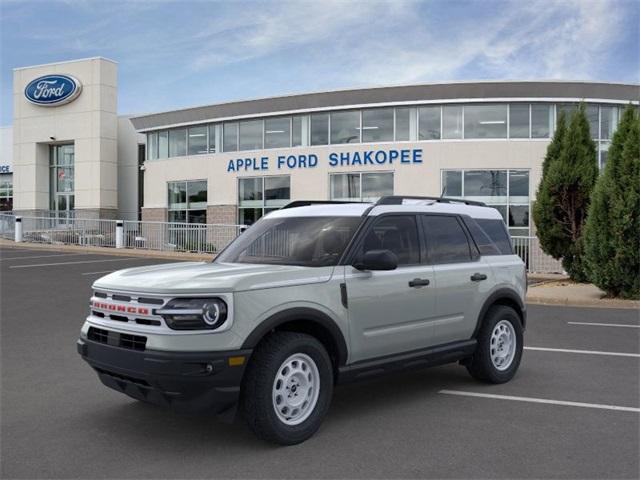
305, 241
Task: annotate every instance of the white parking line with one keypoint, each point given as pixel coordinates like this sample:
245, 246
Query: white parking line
74, 263
96, 273
604, 324
540, 400
587, 352
41, 256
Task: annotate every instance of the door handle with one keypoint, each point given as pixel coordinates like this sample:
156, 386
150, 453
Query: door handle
419, 282
477, 277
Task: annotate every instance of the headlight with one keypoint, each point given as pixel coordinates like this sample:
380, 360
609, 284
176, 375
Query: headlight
194, 313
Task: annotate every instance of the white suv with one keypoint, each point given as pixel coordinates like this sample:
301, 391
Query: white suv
308, 297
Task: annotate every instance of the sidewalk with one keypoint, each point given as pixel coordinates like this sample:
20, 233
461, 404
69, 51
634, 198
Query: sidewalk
567, 293
126, 252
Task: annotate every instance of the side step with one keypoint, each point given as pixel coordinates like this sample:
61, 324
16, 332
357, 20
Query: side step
428, 357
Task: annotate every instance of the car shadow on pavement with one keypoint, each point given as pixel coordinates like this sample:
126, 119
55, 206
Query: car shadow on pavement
140, 423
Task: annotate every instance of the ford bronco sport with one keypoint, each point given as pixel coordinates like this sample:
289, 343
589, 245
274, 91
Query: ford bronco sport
310, 296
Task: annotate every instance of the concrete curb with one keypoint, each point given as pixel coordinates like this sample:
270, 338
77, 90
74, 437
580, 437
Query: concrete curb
568, 302
125, 252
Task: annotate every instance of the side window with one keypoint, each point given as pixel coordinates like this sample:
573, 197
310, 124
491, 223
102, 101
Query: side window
482, 240
446, 240
397, 233
497, 231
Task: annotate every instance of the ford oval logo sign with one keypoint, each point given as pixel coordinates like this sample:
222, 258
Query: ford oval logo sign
53, 90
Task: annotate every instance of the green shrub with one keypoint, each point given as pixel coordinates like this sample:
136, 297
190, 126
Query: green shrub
569, 174
612, 233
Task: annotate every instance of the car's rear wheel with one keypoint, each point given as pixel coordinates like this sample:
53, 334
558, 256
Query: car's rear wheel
287, 388
499, 349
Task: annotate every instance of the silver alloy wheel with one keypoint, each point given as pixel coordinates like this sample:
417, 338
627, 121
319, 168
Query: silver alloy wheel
503, 345
296, 389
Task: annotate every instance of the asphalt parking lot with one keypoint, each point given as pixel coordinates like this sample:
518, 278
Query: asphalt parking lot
572, 411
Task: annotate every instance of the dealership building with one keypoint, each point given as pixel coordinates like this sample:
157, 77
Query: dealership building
69, 151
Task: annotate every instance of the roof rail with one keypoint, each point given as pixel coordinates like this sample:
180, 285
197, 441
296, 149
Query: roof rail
398, 199
306, 203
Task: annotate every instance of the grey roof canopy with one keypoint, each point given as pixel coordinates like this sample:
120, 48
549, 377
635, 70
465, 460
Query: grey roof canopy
377, 95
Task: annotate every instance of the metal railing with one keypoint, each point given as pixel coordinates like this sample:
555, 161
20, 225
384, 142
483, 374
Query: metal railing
7, 226
192, 237
182, 237
69, 231
528, 248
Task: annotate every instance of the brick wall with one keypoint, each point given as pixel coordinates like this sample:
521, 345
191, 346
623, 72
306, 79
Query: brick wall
223, 214
154, 214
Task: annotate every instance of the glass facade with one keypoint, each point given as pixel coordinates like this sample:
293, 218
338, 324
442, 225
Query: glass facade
61, 179
345, 127
508, 191
383, 124
187, 201
6, 192
258, 196
377, 125
485, 121
360, 187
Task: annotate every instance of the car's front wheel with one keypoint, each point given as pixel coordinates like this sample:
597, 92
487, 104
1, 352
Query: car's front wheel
499, 349
287, 388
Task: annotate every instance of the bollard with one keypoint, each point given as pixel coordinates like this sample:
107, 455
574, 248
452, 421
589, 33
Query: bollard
18, 230
119, 234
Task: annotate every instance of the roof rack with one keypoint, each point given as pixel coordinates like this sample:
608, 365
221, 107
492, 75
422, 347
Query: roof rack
306, 203
398, 199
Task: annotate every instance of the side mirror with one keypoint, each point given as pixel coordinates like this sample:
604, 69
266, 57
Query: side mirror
377, 260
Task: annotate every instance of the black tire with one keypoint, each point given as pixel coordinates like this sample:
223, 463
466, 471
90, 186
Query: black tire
256, 403
480, 365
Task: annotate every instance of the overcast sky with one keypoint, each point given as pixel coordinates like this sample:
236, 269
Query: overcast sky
186, 53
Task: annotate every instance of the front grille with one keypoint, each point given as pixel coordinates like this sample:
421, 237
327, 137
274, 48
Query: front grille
122, 340
98, 335
119, 376
133, 342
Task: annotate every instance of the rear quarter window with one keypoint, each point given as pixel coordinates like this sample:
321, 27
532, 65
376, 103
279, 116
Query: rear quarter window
497, 233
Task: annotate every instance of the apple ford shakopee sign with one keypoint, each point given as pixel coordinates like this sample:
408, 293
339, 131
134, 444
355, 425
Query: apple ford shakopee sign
53, 90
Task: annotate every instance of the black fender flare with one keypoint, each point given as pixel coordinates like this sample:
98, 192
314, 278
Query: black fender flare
304, 314
502, 294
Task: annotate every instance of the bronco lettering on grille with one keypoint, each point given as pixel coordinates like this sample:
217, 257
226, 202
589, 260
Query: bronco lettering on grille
119, 308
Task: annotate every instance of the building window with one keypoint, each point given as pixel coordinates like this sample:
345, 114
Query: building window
197, 140
519, 120
452, 121
608, 122
320, 129
541, 120
429, 123
188, 201
178, 142
485, 121
360, 187
258, 196
296, 131
277, 132
377, 125
152, 146
61, 179
163, 144
505, 190
6, 192
230, 137
212, 138
403, 124
345, 127
251, 135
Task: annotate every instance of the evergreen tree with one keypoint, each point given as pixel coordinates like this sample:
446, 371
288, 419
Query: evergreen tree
563, 198
612, 233
548, 231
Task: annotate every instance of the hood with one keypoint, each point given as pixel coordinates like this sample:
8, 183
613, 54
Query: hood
206, 277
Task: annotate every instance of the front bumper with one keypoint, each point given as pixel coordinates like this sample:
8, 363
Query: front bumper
184, 381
